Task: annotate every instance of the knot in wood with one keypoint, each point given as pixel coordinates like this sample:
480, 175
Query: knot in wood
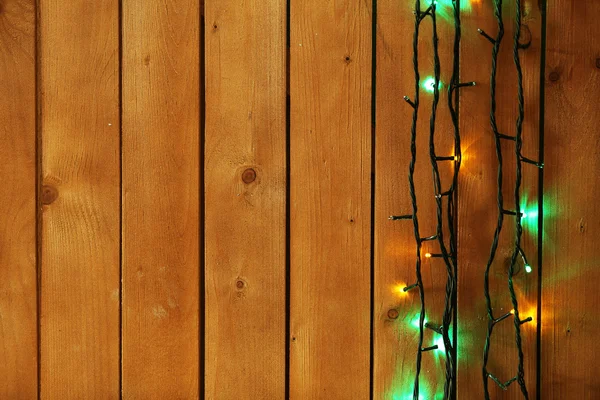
249, 175
49, 194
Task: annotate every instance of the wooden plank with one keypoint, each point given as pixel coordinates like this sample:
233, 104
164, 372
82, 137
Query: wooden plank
18, 276
477, 211
330, 184
245, 189
396, 313
571, 212
79, 88
161, 119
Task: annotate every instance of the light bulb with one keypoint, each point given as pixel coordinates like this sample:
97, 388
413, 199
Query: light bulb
528, 268
416, 322
440, 344
427, 255
429, 84
512, 311
399, 289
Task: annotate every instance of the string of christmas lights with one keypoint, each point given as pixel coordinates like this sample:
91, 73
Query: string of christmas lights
451, 284
517, 250
449, 256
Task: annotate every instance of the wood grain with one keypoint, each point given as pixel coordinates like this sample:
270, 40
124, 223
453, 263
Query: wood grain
76, 176
395, 312
245, 189
79, 88
571, 212
18, 275
161, 119
330, 183
477, 211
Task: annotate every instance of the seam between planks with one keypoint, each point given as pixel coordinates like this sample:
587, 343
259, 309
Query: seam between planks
540, 235
38, 208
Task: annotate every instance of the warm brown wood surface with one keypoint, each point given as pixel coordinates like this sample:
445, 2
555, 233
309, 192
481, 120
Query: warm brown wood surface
245, 189
161, 129
330, 185
18, 276
571, 275
477, 214
174, 251
79, 128
396, 331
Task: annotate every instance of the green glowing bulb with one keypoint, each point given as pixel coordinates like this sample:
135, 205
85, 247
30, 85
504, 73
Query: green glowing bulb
530, 214
415, 322
445, 7
528, 268
406, 397
429, 84
440, 344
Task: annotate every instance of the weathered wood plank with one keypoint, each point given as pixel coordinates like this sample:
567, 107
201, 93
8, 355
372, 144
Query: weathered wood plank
18, 276
79, 88
245, 189
477, 211
161, 261
571, 277
330, 183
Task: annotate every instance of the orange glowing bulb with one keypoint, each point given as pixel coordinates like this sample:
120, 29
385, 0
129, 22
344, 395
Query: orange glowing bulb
427, 255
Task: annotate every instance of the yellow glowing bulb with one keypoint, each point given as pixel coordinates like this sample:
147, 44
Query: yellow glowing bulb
427, 255
512, 311
399, 289
532, 312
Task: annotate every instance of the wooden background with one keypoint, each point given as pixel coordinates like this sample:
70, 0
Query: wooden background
194, 199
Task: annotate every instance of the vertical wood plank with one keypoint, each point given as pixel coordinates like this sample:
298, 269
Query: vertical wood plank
396, 313
79, 88
18, 276
245, 189
161, 119
330, 184
571, 277
477, 211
